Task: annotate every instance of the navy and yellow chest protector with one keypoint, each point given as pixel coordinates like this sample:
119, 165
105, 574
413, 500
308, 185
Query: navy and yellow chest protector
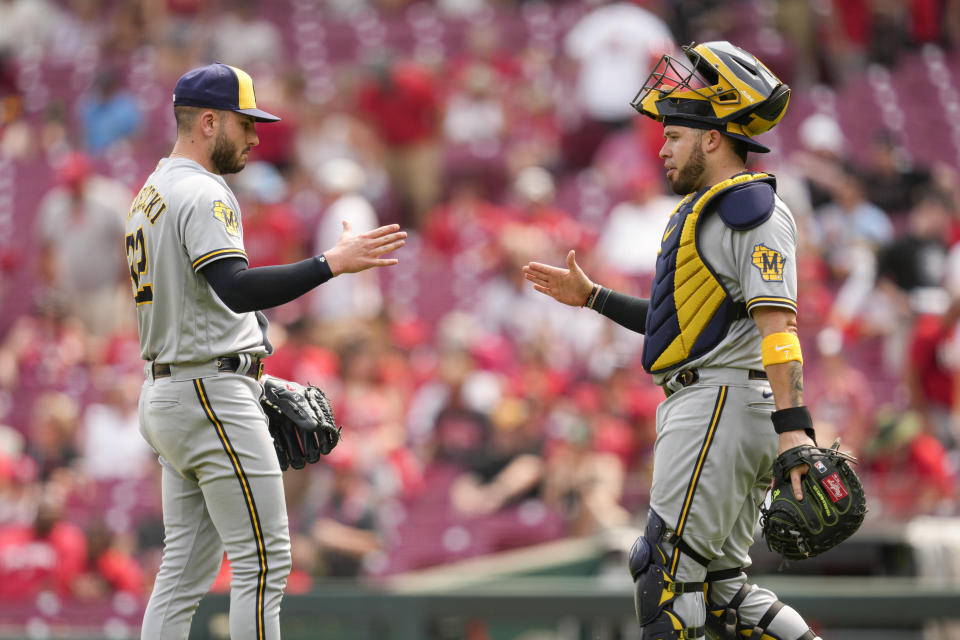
690, 309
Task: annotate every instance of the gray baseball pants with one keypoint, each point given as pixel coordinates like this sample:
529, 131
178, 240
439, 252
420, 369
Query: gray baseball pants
713, 457
222, 490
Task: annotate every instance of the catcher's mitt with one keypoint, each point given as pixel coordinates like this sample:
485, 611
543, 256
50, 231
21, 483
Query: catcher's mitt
832, 508
301, 421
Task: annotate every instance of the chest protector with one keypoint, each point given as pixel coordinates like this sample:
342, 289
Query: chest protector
690, 309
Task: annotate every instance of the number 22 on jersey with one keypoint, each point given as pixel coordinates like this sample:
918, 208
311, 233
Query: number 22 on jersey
151, 205
137, 259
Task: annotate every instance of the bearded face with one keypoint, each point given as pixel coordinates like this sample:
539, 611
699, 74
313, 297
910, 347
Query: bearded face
688, 178
228, 156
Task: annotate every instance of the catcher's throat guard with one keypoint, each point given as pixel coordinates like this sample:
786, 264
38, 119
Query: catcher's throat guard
832, 509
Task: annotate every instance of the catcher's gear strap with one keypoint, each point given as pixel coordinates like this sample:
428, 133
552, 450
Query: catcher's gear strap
686, 549
723, 621
761, 626
244, 289
723, 574
729, 618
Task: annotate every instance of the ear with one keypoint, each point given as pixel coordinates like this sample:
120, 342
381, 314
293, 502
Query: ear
711, 140
210, 122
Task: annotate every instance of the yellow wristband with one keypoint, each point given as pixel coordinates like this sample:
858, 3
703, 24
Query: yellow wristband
778, 348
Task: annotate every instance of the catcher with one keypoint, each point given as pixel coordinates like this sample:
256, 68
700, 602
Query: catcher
721, 338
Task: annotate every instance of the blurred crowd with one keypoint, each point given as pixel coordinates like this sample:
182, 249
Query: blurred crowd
478, 414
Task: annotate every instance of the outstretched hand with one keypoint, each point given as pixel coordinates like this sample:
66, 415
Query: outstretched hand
354, 253
570, 286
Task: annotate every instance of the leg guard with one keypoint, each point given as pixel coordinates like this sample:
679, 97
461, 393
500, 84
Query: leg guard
656, 590
774, 619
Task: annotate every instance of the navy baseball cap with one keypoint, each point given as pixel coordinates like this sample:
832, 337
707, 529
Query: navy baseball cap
219, 86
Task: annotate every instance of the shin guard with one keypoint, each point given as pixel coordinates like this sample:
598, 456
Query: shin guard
656, 590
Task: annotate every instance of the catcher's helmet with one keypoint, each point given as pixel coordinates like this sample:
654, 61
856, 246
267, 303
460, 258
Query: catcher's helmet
723, 87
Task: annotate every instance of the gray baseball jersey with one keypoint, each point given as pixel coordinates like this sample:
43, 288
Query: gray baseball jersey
184, 218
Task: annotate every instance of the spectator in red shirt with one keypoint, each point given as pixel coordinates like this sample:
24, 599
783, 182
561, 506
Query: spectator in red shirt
468, 222
45, 555
299, 356
535, 206
930, 373
108, 569
402, 104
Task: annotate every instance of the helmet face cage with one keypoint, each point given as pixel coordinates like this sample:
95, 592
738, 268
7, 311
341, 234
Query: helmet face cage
671, 77
721, 85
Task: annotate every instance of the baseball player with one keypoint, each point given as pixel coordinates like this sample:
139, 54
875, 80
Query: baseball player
721, 338
204, 339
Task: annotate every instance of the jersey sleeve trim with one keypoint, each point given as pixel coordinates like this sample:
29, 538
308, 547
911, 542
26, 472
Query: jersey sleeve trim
771, 301
217, 255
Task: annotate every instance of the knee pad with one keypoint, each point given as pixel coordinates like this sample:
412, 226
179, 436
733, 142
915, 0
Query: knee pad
655, 588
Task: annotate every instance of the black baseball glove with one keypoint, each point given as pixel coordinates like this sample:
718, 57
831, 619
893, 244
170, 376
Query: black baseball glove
832, 508
301, 421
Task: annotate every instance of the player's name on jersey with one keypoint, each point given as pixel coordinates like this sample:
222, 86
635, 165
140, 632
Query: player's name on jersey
149, 202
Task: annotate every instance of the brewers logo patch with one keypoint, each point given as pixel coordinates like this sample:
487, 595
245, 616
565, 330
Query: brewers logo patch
226, 215
770, 262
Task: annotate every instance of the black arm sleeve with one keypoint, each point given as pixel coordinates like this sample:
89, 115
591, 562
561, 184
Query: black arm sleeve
627, 311
244, 289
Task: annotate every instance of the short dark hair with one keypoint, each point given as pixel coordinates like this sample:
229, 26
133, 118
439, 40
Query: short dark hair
185, 117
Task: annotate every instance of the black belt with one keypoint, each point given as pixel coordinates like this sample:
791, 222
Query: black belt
688, 377
225, 364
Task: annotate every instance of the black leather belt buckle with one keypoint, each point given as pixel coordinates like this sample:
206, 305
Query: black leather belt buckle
228, 364
232, 364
